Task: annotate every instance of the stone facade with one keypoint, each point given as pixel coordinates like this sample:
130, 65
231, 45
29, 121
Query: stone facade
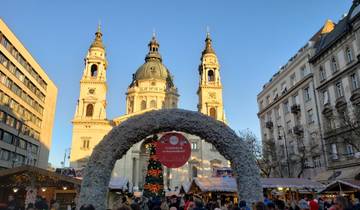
325, 73
152, 87
337, 69
27, 105
120, 139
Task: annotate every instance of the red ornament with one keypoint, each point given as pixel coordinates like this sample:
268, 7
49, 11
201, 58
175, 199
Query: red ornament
173, 150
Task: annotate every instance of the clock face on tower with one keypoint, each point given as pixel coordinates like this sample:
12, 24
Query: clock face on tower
212, 95
92, 91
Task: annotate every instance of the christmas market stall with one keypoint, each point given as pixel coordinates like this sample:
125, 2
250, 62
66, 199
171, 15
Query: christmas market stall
290, 188
225, 188
25, 183
349, 188
214, 188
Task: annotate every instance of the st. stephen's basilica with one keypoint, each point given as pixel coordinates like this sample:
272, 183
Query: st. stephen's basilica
152, 87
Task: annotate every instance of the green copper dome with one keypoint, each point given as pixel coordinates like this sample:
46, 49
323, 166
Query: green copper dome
153, 68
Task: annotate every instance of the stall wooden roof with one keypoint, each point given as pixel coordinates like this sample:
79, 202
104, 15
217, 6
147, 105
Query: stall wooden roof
342, 186
228, 184
7, 174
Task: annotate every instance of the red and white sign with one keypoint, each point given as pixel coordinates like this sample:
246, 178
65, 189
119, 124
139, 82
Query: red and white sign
173, 150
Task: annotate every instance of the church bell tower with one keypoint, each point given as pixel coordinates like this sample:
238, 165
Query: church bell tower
90, 123
93, 87
210, 88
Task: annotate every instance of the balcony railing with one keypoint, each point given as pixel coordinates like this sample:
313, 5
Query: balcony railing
269, 125
298, 130
295, 109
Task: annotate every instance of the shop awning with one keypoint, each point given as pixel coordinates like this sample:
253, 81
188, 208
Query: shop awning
24, 175
295, 183
342, 186
216, 184
228, 184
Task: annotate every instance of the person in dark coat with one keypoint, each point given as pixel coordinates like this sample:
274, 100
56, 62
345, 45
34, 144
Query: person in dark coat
12, 203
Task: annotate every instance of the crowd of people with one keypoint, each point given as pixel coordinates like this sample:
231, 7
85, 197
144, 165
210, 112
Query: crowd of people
190, 202
195, 202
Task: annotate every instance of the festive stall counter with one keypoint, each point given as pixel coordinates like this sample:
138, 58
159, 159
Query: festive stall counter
25, 183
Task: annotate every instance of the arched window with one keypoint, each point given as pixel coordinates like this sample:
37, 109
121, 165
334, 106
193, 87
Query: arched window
143, 105
94, 70
131, 106
211, 76
194, 171
334, 65
349, 56
89, 110
213, 112
152, 104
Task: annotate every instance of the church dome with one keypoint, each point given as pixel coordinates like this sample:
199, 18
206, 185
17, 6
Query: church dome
152, 69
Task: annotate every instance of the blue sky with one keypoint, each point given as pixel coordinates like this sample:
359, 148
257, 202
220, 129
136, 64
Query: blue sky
251, 38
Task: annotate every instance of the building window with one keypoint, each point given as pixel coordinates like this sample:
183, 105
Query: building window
296, 99
89, 110
267, 100
213, 112
306, 92
334, 152
339, 89
304, 71
349, 55
292, 80
277, 113
288, 127
276, 95
322, 74
310, 116
94, 70
152, 104
194, 145
316, 162
85, 144
7, 137
325, 97
349, 150
283, 88
354, 81
211, 76
334, 65
143, 105
286, 107
4, 155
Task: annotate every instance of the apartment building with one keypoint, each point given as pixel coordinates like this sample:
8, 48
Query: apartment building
288, 116
27, 105
336, 66
328, 125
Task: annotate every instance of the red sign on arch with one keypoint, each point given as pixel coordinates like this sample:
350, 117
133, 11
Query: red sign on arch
173, 150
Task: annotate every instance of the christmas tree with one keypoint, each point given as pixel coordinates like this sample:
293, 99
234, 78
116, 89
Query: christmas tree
154, 180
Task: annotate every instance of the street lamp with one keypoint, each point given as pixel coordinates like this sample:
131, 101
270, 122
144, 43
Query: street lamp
66, 154
286, 149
